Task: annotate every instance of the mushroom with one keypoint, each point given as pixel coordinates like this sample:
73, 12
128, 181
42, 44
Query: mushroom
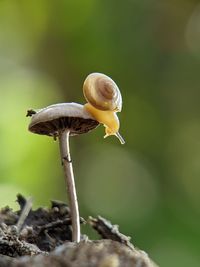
64, 120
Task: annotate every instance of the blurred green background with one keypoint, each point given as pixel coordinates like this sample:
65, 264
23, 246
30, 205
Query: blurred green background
151, 185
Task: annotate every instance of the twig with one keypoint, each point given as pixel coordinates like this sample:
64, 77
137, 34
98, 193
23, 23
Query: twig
25, 211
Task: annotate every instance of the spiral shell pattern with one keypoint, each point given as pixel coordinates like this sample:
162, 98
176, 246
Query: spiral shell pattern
102, 92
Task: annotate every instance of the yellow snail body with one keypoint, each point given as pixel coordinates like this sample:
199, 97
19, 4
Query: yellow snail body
104, 101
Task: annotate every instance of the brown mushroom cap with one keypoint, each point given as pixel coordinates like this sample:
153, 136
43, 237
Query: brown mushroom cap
59, 117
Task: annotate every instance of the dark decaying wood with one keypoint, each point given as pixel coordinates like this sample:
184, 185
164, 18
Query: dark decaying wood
45, 240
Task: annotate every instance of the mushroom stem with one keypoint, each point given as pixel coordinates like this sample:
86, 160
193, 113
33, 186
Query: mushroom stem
69, 179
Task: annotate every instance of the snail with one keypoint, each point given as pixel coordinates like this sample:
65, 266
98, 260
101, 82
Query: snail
103, 102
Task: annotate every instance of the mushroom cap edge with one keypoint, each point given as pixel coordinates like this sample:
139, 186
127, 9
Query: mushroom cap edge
57, 117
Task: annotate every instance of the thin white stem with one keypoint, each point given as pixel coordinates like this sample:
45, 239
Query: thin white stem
70, 183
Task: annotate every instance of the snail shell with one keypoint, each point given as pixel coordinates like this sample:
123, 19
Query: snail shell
102, 92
